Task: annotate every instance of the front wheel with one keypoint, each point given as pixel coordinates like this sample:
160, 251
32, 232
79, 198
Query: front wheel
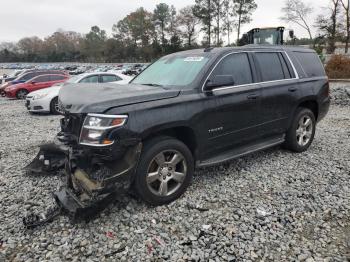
22, 93
165, 170
55, 106
302, 131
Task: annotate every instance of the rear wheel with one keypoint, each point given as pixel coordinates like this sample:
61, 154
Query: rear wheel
22, 93
302, 131
55, 107
164, 172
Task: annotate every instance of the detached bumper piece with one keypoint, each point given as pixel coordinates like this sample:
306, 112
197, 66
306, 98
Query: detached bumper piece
50, 159
78, 210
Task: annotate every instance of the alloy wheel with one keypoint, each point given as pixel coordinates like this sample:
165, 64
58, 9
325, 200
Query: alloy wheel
304, 130
22, 94
166, 173
58, 107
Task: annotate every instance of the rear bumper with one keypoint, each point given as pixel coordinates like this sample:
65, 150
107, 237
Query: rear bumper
323, 108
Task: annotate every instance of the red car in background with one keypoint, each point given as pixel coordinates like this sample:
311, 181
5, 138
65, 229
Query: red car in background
20, 91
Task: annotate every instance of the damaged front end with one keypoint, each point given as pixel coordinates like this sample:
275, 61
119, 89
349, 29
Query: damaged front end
98, 156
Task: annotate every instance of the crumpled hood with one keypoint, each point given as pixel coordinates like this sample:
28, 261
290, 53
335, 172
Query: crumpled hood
97, 98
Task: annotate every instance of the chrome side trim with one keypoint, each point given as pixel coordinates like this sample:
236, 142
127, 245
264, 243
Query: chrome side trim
274, 81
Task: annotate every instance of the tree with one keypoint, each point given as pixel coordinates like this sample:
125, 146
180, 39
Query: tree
346, 7
161, 16
203, 9
218, 14
173, 27
30, 48
136, 30
62, 46
227, 20
94, 43
136, 26
297, 12
188, 22
243, 9
329, 26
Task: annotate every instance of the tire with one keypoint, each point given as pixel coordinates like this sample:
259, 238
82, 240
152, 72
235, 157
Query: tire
301, 133
21, 94
157, 180
54, 106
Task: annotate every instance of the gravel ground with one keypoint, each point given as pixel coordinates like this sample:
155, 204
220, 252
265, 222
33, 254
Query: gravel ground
270, 206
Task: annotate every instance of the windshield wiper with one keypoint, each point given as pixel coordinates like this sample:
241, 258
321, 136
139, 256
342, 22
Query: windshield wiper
152, 85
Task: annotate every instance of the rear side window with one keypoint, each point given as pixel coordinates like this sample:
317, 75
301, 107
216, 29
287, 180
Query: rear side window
109, 78
28, 76
236, 65
41, 79
311, 64
272, 66
89, 79
57, 77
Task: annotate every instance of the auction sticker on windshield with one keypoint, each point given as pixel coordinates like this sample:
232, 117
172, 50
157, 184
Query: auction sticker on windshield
194, 59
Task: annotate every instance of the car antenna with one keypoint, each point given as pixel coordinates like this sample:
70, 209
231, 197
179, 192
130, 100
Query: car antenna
208, 49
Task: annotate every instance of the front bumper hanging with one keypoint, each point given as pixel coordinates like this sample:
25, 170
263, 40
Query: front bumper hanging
88, 190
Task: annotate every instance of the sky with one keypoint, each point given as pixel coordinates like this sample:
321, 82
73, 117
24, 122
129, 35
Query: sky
21, 18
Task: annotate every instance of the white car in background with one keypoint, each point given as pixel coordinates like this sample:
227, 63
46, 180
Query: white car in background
46, 100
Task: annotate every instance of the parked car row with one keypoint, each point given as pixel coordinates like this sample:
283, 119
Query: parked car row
76, 69
46, 100
14, 89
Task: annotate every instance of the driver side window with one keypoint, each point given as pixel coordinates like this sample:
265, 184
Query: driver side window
237, 66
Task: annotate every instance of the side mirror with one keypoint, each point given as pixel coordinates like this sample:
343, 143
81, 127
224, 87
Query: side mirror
33, 82
219, 81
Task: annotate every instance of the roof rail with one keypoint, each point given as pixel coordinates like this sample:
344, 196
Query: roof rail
208, 49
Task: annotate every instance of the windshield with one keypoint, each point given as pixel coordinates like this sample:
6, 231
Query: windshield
172, 71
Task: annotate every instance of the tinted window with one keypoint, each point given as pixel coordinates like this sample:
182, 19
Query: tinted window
110, 78
311, 64
270, 66
28, 76
40, 79
236, 65
89, 79
56, 78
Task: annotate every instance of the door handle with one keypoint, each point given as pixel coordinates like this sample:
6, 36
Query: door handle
253, 96
292, 89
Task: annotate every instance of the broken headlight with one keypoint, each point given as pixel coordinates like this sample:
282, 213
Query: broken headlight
96, 126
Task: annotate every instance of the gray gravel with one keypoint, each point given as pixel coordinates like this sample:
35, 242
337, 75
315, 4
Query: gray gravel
270, 206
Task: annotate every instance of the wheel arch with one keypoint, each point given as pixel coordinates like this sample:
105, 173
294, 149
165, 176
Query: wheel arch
312, 105
183, 133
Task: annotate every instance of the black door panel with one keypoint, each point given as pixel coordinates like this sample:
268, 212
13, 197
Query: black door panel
237, 116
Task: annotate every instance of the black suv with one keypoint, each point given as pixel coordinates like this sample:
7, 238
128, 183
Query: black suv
187, 110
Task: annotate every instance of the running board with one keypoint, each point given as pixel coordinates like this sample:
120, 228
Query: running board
241, 151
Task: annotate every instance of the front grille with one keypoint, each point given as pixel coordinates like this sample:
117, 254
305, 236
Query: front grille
72, 124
